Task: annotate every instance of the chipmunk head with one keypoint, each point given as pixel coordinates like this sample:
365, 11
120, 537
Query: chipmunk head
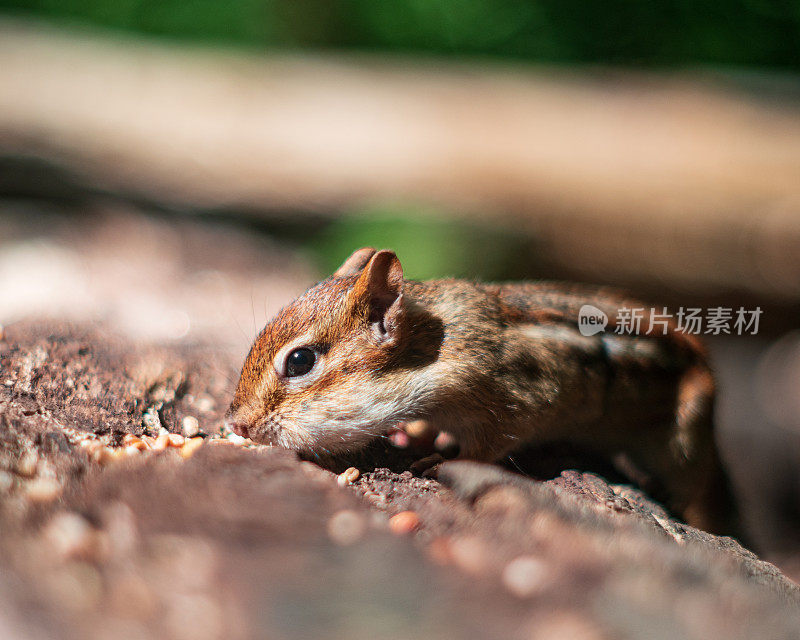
313, 380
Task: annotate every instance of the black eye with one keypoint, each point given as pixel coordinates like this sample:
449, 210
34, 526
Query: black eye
300, 361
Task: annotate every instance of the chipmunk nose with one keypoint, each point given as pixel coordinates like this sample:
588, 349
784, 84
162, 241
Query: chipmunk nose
239, 428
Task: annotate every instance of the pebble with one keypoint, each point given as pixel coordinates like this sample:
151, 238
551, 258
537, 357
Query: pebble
190, 447
190, 426
151, 420
348, 476
346, 527
236, 439
404, 522
525, 576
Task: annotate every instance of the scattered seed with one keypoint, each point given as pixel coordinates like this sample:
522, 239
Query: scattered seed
419, 429
190, 447
204, 403
101, 455
439, 551
176, 439
347, 477
26, 465
525, 576
42, 490
236, 439
6, 481
161, 442
190, 426
346, 527
469, 554
133, 441
446, 445
69, 535
404, 522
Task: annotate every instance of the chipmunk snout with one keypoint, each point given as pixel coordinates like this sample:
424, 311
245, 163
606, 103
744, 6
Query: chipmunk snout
238, 427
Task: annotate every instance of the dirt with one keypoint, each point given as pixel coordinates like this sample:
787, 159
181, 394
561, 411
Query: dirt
240, 542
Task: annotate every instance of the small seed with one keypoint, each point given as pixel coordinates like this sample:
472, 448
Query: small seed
132, 441
236, 439
42, 490
525, 576
404, 522
26, 465
132, 450
161, 442
204, 403
101, 455
190, 426
190, 447
91, 446
69, 535
399, 439
419, 429
349, 476
176, 439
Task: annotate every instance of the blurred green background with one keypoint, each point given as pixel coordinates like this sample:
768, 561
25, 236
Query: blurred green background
628, 32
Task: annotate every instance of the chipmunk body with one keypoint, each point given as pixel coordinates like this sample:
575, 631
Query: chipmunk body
498, 366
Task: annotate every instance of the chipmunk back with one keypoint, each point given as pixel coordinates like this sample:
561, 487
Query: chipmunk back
498, 366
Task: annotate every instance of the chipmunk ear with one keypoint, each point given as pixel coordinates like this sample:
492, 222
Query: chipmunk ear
380, 289
355, 263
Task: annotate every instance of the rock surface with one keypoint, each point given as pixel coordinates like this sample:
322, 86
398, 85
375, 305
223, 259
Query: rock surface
239, 542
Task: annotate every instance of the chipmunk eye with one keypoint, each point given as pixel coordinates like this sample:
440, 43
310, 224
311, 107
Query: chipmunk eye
300, 361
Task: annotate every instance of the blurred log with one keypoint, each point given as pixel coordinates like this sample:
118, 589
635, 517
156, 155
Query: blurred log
626, 177
243, 543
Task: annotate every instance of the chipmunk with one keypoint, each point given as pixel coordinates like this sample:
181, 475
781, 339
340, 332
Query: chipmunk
498, 366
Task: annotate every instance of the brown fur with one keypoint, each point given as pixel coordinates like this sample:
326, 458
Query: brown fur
497, 365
